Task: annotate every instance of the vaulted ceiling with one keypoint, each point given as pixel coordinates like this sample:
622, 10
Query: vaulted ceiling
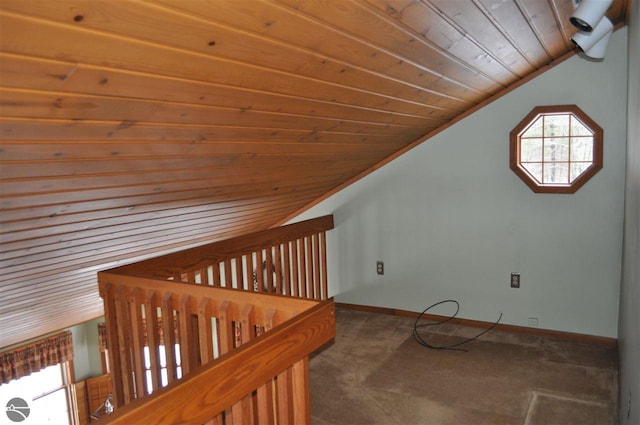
134, 128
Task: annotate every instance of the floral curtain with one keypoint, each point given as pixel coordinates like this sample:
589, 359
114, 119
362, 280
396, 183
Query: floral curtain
22, 361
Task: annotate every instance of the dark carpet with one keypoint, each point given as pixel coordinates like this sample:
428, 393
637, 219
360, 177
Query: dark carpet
375, 373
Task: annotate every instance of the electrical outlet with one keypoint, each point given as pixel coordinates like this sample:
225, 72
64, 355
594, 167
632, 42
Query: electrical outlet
533, 322
380, 267
515, 280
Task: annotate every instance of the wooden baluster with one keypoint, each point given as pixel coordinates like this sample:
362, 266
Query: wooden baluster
124, 342
283, 397
215, 273
300, 392
323, 262
309, 272
153, 341
277, 262
169, 335
248, 324
239, 279
225, 325
268, 270
295, 282
243, 411
225, 342
286, 269
111, 323
303, 269
188, 348
316, 268
190, 277
137, 342
205, 331
265, 394
228, 275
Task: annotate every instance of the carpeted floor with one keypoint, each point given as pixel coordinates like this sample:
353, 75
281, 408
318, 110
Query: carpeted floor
375, 373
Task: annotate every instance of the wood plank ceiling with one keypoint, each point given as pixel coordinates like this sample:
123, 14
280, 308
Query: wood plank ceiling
133, 128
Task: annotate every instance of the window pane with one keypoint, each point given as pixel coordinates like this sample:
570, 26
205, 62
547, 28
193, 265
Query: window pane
51, 409
556, 125
535, 130
531, 150
147, 358
556, 149
535, 169
163, 356
177, 351
577, 168
149, 381
163, 377
36, 384
582, 149
556, 173
579, 129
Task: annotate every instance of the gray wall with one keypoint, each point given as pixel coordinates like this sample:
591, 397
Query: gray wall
87, 360
451, 220
629, 330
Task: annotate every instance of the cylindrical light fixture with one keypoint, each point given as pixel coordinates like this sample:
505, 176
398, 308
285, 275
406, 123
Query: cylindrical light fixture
589, 13
594, 44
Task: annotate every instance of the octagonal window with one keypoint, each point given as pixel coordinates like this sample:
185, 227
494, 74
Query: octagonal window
556, 149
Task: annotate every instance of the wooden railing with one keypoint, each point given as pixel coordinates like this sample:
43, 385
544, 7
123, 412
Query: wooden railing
289, 260
232, 347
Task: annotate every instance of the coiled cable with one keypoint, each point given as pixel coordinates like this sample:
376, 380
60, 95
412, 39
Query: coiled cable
453, 347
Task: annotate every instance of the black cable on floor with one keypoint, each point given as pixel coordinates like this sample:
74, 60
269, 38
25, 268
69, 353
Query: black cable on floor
422, 342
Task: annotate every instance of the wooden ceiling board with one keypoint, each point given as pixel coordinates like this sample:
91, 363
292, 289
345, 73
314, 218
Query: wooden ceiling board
49, 75
125, 53
135, 128
73, 130
190, 34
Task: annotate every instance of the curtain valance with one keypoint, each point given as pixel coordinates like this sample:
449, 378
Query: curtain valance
22, 361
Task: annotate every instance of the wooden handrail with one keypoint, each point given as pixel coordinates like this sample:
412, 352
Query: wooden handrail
226, 329
202, 395
173, 264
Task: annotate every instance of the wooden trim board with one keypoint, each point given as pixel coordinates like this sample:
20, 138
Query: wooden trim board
476, 323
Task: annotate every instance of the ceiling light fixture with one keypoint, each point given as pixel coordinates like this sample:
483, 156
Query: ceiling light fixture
595, 29
589, 13
594, 45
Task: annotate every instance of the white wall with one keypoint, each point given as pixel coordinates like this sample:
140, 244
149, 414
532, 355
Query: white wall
629, 330
451, 220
